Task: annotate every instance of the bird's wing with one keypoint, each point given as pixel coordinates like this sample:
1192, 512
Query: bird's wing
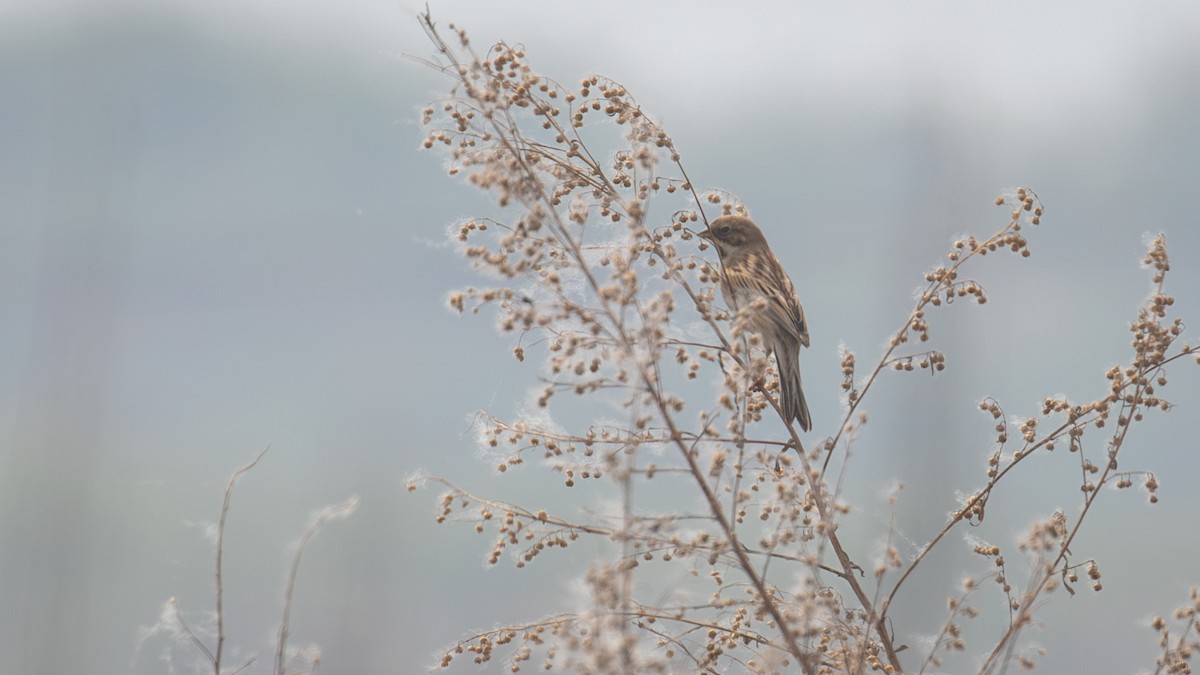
765, 275
788, 312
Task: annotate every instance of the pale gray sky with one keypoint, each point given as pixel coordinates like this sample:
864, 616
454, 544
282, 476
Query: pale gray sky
215, 233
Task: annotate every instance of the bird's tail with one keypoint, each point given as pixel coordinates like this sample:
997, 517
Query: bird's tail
791, 389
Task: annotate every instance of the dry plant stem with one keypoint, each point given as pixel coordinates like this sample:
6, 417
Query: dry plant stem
1049, 571
963, 513
862, 650
325, 517
937, 641
249, 662
968, 506
296, 657
626, 588
848, 566
1146, 373
640, 612
529, 515
648, 380
930, 292
191, 633
878, 618
1169, 661
608, 533
744, 561
216, 658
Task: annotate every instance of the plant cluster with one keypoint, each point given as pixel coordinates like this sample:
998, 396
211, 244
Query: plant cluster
620, 305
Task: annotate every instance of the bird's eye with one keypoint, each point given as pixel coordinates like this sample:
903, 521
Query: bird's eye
725, 229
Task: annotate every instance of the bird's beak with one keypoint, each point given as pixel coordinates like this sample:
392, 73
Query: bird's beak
707, 234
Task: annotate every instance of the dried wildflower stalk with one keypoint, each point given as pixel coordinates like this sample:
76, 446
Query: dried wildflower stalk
622, 306
1177, 650
175, 625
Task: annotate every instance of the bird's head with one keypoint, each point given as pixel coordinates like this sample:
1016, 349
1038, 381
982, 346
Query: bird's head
730, 234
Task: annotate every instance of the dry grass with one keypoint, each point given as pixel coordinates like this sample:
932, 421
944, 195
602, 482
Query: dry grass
184, 636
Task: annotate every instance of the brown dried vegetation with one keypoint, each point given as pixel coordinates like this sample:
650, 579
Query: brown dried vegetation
621, 304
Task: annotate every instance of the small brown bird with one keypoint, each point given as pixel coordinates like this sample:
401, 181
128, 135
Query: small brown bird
751, 271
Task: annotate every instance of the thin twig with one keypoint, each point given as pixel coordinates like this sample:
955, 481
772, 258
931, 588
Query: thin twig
190, 633
237, 475
338, 511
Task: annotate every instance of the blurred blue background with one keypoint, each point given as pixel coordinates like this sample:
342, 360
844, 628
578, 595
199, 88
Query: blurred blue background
217, 233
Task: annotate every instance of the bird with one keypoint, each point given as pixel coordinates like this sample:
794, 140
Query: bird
749, 272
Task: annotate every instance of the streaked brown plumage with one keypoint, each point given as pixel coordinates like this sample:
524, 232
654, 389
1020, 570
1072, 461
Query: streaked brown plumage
751, 271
